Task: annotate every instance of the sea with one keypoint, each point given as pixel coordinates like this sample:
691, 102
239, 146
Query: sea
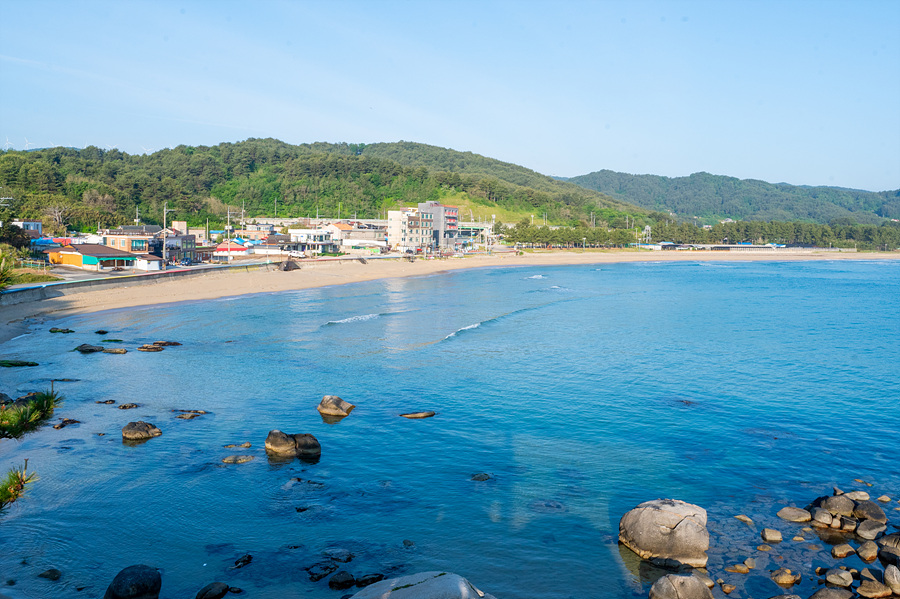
581, 391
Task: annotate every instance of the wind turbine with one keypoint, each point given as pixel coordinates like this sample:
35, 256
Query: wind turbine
147, 150
6, 147
28, 143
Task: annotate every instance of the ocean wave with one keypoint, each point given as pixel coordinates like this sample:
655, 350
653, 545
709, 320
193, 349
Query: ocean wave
468, 328
536, 277
360, 318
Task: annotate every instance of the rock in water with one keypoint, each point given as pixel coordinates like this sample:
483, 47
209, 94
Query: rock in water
869, 510
214, 590
672, 586
424, 585
280, 443
332, 405
134, 431
794, 514
342, 580
417, 415
770, 535
666, 532
135, 582
237, 459
87, 348
51, 574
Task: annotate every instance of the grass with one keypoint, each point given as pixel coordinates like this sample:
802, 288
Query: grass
13, 486
15, 421
29, 275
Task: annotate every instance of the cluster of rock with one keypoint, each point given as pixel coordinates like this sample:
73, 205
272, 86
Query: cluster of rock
673, 534
292, 445
156, 346
144, 582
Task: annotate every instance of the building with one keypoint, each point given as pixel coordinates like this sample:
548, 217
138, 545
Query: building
409, 230
444, 224
34, 228
312, 241
140, 239
91, 256
229, 250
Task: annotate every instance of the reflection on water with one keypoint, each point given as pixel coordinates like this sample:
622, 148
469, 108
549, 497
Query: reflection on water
582, 395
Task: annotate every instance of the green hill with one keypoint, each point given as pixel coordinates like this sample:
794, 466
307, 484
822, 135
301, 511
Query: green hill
713, 197
74, 188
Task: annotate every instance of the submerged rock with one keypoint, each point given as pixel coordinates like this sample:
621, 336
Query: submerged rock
165, 343
150, 348
332, 405
770, 535
424, 585
87, 348
135, 582
666, 532
237, 459
214, 590
342, 580
794, 514
115, 350
673, 586
51, 574
16, 363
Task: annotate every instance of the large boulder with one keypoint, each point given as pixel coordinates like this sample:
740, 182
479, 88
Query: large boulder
140, 430
680, 587
332, 405
214, 590
668, 532
424, 585
283, 444
135, 582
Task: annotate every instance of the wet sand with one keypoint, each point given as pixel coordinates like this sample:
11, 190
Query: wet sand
216, 284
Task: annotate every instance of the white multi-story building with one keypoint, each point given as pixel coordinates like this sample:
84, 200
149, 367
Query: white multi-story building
409, 230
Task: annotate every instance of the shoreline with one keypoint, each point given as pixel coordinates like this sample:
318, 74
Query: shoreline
19, 317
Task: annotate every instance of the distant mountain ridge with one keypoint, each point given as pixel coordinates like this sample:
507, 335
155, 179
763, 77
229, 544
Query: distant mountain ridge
711, 198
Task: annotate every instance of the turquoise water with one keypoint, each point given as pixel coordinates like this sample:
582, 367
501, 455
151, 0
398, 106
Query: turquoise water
582, 391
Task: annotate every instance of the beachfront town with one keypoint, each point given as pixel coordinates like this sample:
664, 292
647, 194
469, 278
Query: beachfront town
429, 229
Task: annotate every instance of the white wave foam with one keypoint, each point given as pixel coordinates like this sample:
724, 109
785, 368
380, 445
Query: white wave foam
536, 277
354, 319
468, 328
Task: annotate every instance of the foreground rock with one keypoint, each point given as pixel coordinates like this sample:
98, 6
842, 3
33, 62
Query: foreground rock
332, 405
283, 444
424, 585
680, 587
137, 431
667, 532
214, 590
135, 582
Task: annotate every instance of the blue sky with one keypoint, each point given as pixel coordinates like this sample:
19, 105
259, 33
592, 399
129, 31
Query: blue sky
794, 91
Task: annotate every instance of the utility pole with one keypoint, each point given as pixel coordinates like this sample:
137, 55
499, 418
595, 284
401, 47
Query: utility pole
166, 211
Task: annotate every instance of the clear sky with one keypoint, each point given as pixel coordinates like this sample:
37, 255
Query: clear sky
788, 91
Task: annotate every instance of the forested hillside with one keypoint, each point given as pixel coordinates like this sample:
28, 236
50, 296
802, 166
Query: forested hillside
83, 188
713, 198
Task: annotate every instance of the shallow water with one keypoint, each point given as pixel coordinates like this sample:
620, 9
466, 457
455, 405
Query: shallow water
582, 391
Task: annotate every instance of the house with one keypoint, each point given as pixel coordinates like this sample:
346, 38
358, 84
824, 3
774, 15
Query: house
312, 241
140, 239
229, 250
34, 228
147, 262
91, 256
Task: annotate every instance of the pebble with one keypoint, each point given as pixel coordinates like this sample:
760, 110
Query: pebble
745, 519
728, 588
784, 577
884, 499
764, 547
798, 539
738, 569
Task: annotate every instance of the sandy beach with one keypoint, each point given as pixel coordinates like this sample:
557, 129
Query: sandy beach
216, 284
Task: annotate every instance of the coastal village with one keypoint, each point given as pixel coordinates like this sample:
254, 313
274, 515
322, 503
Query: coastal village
429, 229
